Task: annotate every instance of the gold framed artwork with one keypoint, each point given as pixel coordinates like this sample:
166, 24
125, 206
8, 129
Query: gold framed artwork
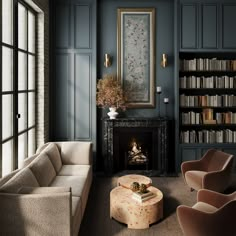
136, 55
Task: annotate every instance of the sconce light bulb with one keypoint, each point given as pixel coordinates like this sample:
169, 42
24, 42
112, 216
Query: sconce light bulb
107, 61
164, 60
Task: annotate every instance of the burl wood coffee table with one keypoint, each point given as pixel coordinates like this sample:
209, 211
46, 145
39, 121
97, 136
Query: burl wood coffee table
126, 180
136, 215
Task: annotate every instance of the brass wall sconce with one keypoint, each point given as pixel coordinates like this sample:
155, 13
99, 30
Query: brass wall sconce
164, 60
107, 60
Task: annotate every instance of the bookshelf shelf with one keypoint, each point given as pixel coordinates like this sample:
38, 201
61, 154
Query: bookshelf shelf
207, 98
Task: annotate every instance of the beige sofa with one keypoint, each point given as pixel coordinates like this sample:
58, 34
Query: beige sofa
48, 195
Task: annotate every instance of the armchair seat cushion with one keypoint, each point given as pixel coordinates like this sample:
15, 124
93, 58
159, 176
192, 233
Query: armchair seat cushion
194, 178
202, 206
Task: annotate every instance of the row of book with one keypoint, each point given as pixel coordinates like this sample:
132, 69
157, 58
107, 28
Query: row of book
197, 118
226, 100
207, 64
208, 136
208, 82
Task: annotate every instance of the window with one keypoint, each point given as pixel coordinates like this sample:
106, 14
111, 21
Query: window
18, 84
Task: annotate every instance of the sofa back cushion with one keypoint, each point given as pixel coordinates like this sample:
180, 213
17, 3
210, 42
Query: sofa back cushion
43, 169
75, 153
53, 153
24, 177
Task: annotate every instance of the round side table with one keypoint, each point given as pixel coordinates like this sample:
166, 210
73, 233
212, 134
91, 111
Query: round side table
136, 215
126, 180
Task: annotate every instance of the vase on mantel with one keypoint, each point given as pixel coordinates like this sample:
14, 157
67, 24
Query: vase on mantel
113, 113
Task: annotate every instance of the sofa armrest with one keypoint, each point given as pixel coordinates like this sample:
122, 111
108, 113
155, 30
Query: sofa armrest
41, 190
35, 214
77, 153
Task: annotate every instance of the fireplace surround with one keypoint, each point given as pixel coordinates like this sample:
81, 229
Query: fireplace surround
153, 134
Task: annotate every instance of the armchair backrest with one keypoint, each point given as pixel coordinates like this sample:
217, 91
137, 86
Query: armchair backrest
218, 160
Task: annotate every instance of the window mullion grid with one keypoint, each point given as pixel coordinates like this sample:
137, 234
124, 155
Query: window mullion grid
1, 91
15, 83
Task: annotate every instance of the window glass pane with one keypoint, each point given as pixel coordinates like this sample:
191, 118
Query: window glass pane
31, 142
22, 27
31, 32
7, 69
31, 72
7, 157
31, 107
22, 110
7, 116
22, 149
22, 71
7, 21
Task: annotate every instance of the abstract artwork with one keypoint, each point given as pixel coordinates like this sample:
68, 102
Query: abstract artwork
136, 53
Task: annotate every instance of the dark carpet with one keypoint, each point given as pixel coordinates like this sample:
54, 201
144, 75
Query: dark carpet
97, 222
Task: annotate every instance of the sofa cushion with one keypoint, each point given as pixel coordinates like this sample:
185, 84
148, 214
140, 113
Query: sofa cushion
43, 169
53, 153
75, 170
42, 190
24, 177
78, 153
76, 183
28, 160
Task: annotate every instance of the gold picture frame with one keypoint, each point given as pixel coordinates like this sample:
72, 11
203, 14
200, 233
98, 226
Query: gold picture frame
136, 55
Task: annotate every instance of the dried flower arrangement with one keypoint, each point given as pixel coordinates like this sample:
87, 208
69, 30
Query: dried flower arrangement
110, 93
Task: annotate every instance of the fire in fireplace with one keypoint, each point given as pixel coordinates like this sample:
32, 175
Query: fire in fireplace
136, 155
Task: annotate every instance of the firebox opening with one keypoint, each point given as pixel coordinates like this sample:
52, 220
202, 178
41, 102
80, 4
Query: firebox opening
134, 149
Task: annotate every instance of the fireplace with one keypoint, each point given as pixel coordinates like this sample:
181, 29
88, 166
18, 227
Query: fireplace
125, 138
133, 148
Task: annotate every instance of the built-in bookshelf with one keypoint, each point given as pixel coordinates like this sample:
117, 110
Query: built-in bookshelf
207, 98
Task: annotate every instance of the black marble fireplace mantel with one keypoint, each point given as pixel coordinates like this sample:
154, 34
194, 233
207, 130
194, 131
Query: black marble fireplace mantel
160, 130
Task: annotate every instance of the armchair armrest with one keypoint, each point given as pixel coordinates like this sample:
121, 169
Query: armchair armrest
214, 198
217, 180
191, 165
35, 214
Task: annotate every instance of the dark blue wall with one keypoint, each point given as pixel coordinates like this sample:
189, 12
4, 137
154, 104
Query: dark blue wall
107, 43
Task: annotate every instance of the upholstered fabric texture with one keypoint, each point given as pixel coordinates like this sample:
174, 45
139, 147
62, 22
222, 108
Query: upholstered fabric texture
213, 171
53, 153
46, 197
75, 170
213, 215
43, 169
25, 177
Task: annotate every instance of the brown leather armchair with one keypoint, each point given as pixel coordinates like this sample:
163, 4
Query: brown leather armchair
213, 215
213, 171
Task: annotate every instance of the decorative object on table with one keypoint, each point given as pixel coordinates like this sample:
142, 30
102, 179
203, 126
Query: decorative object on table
110, 95
134, 186
166, 102
164, 60
136, 55
107, 60
159, 100
143, 196
143, 188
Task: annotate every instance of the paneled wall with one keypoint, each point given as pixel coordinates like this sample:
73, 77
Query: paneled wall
73, 84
